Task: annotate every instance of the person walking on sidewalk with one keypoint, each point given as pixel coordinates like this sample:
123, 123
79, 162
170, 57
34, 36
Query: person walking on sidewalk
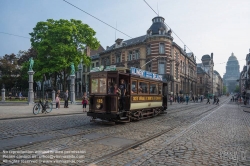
84, 101
171, 100
59, 93
187, 99
217, 101
57, 101
208, 100
66, 99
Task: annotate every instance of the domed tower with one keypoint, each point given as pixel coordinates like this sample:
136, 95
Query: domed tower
158, 27
232, 73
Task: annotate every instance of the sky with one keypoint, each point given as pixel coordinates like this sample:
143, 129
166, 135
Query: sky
205, 26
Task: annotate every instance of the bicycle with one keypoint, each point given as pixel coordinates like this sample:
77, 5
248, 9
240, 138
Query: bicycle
45, 107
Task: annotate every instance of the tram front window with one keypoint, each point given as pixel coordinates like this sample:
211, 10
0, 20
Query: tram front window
102, 85
94, 85
98, 85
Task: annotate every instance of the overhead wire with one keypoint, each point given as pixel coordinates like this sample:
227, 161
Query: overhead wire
97, 18
14, 35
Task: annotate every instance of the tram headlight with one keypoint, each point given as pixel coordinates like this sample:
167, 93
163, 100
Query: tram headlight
98, 105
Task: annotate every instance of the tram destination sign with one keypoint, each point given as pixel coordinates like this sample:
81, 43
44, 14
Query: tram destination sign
101, 68
146, 74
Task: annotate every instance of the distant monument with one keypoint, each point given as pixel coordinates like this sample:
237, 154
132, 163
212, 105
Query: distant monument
72, 69
72, 83
232, 73
31, 64
31, 73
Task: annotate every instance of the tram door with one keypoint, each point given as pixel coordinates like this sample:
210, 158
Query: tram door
165, 95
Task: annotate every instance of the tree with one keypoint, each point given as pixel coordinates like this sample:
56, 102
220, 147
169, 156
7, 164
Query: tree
224, 89
237, 89
57, 44
10, 70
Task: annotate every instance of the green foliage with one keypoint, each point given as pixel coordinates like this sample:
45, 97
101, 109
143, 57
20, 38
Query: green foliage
58, 43
237, 89
224, 89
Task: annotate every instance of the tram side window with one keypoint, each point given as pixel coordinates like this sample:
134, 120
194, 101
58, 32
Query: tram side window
143, 87
94, 85
134, 87
153, 89
160, 89
103, 85
111, 85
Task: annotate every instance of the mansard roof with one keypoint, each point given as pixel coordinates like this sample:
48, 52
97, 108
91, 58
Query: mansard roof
127, 43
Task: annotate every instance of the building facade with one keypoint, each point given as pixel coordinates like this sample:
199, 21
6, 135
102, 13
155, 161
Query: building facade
244, 80
155, 52
82, 74
205, 75
217, 84
232, 73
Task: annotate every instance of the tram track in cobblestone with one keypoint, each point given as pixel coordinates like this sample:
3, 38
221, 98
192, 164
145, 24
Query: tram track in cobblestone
81, 126
125, 148
133, 145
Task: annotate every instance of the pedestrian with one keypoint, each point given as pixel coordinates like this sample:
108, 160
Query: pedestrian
20, 95
171, 100
46, 96
208, 100
217, 101
187, 99
84, 101
66, 99
175, 98
58, 93
57, 101
122, 88
178, 99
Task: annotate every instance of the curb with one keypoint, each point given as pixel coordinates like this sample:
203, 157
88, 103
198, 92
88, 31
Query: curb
41, 116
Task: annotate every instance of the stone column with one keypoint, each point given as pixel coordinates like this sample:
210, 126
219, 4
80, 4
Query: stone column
72, 89
3, 95
53, 96
31, 92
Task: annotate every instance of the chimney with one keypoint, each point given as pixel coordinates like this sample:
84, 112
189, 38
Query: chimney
212, 54
118, 41
184, 48
107, 47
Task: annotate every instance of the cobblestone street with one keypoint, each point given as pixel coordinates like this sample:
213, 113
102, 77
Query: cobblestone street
194, 134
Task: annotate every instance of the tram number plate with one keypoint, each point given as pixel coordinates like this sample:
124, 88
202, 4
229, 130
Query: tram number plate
99, 100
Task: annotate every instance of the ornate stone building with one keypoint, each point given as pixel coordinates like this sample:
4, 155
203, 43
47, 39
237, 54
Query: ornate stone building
232, 73
155, 52
205, 72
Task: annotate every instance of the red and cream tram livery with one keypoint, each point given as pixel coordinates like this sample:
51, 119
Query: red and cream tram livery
126, 95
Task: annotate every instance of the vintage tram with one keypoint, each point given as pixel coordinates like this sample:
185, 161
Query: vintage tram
145, 95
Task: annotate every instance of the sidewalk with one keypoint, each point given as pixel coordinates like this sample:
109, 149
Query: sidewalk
15, 110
